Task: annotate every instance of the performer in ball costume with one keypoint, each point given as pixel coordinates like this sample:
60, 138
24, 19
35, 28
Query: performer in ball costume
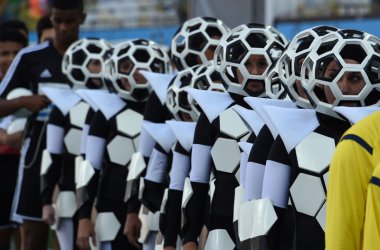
113, 138
297, 167
243, 59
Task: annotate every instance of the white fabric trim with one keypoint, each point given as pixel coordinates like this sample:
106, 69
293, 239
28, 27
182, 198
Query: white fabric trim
109, 103
161, 133
254, 176
85, 130
243, 167
95, 147
157, 166
54, 138
147, 142
159, 83
293, 125
180, 170
65, 233
253, 120
355, 114
276, 183
257, 104
211, 102
184, 132
83, 93
63, 97
200, 163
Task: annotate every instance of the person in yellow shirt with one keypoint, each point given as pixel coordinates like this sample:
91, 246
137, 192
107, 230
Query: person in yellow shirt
352, 205
371, 237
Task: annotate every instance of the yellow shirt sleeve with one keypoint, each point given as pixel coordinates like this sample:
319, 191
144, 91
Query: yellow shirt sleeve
346, 196
371, 237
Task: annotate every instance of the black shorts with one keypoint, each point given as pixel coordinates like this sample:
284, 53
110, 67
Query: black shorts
8, 179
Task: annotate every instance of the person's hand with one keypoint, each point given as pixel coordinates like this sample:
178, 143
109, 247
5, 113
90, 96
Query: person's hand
85, 231
132, 229
190, 246
48, 214
169, 248
34, 103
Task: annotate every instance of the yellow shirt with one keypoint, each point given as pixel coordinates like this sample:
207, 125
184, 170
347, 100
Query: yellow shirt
351, 169
371, 238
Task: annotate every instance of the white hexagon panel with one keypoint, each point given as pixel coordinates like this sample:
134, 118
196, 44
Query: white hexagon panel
326, 178
315, 152
106, 226
120, 150
78, 114
226, 155
231, 124
308, 194
219, 239
129, 122
72, 141
45, 162
321, 217
136, 142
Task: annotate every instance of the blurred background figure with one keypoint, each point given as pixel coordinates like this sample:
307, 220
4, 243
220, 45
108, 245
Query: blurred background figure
11, 42
44, 29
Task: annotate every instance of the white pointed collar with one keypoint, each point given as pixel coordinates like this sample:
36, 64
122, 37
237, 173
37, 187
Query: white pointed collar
161, 133
257, 104
211, 102
253, 120
108, 103
245, 146
184, 132
63, 97
355, 114
159, 83
292, 125
83, 94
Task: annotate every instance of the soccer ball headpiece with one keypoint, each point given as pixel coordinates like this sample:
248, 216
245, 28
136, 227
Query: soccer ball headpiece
127, 59
289, 64
245, 56
83, 62
205, 78
177, 100
195, 41
343, 69
274, 88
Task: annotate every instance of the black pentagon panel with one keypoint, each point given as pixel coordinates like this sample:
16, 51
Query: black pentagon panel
235, 52
373, 69
77, 74
197, 42
79, 57
123, 51
214, 32
194, 27
125, 65
93, 49
350, 33
191, 59
326, 46
141, 55
327, 68
257, 40
201, 83
158, 65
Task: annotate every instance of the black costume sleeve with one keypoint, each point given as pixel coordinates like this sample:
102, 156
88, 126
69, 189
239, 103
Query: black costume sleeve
170, 220
87, 194
50, 179
154, 191
197, 207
